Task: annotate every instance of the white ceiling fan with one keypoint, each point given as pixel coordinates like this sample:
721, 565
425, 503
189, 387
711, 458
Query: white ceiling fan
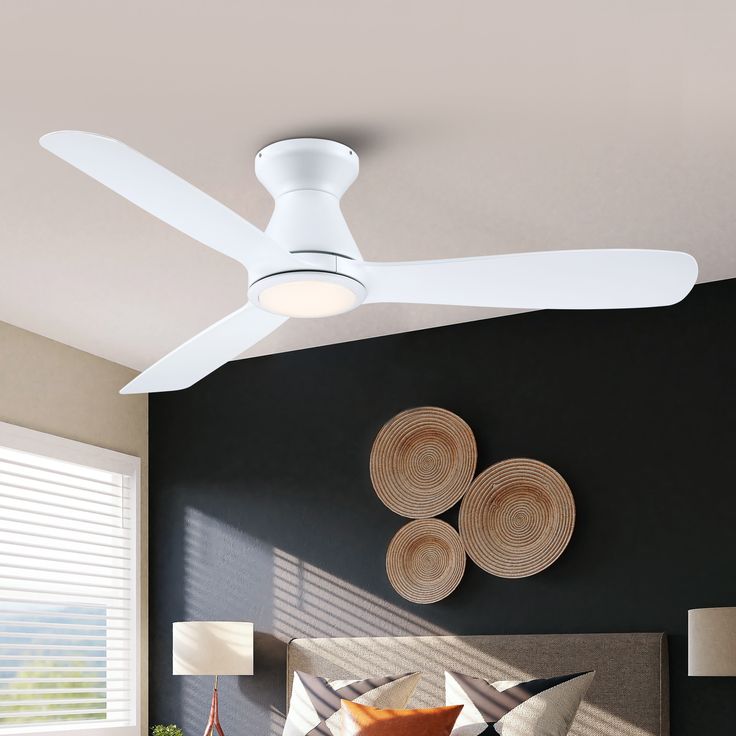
306, 263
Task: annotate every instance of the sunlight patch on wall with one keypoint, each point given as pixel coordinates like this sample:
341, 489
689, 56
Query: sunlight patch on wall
309, 602
312, 603
227, 576
231, 575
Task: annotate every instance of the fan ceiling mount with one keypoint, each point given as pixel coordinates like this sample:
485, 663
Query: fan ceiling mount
307, 264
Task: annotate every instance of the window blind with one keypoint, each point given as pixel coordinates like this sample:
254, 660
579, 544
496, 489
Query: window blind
67, 594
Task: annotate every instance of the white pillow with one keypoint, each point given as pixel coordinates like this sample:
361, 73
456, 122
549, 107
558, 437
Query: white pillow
314, 708
544, 707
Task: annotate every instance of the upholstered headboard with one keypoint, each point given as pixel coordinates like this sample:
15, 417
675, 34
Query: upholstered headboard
629, 696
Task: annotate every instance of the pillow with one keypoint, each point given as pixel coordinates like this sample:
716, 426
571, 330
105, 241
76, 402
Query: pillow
533, 708
362, 720
314, 707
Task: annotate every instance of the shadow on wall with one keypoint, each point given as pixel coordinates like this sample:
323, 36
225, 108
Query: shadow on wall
307, 601
312, 603
285, 597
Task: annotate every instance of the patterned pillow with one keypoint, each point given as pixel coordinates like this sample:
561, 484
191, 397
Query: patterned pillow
314, 708
534, 708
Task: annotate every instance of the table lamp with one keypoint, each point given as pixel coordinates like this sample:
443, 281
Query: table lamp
213, 648
711, 637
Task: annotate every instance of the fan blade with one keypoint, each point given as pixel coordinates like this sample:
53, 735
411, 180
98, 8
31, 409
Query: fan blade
168, 197
572, 279
207, 351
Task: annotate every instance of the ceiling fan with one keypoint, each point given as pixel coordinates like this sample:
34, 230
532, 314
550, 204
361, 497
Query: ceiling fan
306, 263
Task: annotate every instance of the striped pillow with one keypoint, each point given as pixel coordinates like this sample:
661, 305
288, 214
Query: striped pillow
314, 708
544, 707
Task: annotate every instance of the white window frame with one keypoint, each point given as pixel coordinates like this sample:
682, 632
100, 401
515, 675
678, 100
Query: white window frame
60, 448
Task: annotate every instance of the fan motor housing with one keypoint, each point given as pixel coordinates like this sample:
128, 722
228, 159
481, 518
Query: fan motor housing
307, 177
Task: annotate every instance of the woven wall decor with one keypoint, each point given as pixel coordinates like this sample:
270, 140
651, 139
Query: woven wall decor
425, 560
423, 461
517, 518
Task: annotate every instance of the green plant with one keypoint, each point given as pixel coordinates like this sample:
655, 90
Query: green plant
170, 730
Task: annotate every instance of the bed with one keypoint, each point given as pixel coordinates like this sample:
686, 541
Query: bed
629, 696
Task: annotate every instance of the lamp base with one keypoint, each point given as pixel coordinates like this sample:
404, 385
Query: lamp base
213, 722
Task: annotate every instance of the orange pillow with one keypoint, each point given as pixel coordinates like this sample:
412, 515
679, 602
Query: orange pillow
364, 720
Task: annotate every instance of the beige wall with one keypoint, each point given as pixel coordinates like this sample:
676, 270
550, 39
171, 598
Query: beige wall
50, 387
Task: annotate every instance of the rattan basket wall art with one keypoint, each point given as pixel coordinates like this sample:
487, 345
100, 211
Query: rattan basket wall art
517, 518
423, 461
425, 560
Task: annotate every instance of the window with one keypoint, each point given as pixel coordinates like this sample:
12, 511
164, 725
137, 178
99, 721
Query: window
69, 587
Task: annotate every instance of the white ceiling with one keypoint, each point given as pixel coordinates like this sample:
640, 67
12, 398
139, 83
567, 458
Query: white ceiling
482, 127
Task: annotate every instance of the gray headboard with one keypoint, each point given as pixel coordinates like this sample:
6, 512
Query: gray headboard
629, 696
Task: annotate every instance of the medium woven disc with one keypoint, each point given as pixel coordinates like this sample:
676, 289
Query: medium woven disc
423, 461
517, 518
425, 560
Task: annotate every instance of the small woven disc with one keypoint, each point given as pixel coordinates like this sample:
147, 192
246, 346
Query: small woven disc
423, 461
517, 518
425, 560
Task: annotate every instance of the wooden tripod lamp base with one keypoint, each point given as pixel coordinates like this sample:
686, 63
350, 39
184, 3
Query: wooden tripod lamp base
213, 722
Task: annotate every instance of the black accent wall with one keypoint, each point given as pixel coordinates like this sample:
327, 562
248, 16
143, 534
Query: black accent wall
261, 506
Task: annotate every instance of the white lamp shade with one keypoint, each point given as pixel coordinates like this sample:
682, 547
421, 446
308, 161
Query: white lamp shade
711, 636
213, 648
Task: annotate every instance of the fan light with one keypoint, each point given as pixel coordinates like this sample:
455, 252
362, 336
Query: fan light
307, 299
307, 294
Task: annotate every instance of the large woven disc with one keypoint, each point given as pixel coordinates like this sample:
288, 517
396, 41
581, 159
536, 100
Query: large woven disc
423, 461
517, 518
425, 560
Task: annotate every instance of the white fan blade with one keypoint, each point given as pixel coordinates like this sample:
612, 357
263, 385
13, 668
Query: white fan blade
207, 351
571, 279
168, 197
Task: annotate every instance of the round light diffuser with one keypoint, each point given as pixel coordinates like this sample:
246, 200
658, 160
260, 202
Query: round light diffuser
307, 294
